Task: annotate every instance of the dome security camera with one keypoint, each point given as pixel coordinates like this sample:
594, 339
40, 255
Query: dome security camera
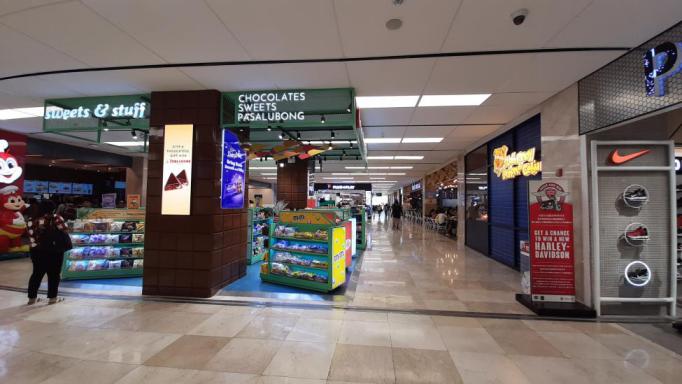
519, 16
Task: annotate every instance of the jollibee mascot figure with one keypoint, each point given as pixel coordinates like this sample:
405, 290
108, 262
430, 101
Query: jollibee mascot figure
12, 224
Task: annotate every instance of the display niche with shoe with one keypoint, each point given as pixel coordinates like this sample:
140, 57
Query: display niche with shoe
307, 250
107, 243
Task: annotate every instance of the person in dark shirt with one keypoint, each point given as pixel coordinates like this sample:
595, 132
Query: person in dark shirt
397, 213
49, 241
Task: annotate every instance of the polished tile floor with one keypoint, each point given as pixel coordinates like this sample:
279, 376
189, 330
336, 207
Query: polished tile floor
139, 341
412, 268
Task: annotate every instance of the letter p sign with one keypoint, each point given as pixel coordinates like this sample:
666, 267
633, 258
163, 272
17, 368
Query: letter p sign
661, 63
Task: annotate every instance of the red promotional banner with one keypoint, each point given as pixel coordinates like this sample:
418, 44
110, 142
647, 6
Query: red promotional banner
12, 224
551, 241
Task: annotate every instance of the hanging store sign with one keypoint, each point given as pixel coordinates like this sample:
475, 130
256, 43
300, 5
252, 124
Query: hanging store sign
343, 187
176, 195
265, 106
416, 186
552, 272
133, 111
660, 64
234, 172
508, 166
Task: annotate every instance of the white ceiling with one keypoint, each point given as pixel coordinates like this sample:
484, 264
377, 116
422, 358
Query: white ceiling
46, 35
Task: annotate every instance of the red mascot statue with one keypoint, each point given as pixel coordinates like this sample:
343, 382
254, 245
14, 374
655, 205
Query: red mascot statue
12, 224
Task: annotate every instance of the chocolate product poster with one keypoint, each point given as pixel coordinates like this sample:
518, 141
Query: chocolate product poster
552, 273
234, 172
176, 195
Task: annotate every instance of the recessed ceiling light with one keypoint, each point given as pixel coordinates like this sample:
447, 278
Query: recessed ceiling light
379, 157
126, 143
402, 167
270, 178
378, 167
452, 100
409, 157
341, 174
263, 168
338, 178
394, 24
377, 174
422, 140
382, 140
384, 182
396, 174
377, 178
386, 101
269, 174
354, 167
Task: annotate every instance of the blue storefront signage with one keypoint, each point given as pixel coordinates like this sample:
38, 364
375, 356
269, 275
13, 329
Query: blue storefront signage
234, 172
661, 63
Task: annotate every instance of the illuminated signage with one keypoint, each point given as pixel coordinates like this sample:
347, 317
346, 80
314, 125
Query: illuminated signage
661, 63
265, 106
416, 186
343, 187
510, 165
104, 110
234, 170
177, 169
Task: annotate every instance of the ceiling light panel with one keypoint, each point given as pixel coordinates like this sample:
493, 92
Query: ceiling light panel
367, 102
379, 157
263, 168
126, 143
402, 167
453, 100
409, 157
268, 174
408, 140
382, 140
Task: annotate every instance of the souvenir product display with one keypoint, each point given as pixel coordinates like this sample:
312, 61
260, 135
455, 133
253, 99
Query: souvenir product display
260, 221
361, 228
107, 243
307, 250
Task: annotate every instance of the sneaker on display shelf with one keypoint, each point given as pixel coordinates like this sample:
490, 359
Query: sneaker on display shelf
639, 233
636, 194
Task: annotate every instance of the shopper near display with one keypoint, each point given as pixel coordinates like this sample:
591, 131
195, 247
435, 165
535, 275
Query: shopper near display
397, 213
49, 241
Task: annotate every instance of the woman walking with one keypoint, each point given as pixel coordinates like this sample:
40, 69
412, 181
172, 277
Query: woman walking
49, 241
397, 213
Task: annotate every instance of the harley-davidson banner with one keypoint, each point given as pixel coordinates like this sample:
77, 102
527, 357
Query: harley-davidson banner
551, 241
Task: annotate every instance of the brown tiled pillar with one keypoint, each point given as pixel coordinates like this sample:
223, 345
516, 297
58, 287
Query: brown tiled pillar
292, 184
193, 255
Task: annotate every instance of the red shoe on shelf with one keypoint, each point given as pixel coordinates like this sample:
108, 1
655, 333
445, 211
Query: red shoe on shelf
639, 233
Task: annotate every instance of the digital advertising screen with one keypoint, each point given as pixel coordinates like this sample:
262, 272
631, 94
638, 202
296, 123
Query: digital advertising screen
234, 171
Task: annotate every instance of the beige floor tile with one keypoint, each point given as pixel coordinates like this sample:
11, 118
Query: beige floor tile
302, 360
157, 321
667, 371
189, 352
549, 326
464, 322
245, 356
264, 327
596, 328
316, 330
444, 305
487, 368
635, 350
32, 367
362, 363
422, 366
239, 310
77, 315
578, 345
554, 370
365, 316
365, 333
106, 373
407, 318
415, 335
163, 375
35, 336
288, 380
221, 325
135, 347
281, 312
609, 371
522, 342
503, 324
324, 314
469, 340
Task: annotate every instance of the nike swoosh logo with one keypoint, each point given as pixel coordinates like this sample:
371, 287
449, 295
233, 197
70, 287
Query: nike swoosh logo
617, 159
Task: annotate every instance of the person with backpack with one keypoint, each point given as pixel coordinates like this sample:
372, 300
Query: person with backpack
49, 241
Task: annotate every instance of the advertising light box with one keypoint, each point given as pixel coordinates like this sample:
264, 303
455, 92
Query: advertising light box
176, 195
234, 171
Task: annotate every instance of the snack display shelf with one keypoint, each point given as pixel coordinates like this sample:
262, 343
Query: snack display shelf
323, 241
257, 241
297, 267
361, 229
108, 258
307, 253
